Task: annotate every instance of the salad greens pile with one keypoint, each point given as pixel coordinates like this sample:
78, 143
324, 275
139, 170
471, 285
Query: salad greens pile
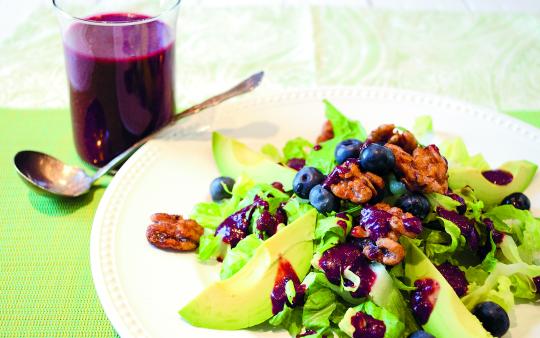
501, 262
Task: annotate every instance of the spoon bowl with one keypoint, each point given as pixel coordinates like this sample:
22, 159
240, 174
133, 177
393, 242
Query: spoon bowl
47, 174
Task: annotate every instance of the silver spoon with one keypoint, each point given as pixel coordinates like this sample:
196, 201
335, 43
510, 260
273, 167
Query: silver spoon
48, 175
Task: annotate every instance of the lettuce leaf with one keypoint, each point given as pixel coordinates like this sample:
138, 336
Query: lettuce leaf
456, 153
440, 246
394, 327
288, 318
237, 257
272, 153
323, 159
297, 148
318, 309
423, 128
295, 208
211, 246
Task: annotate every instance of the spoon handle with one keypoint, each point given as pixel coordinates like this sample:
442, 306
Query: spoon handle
243, 87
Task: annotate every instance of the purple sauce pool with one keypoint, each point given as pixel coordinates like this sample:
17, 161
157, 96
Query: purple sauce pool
284, 274
296, 163
536, 281
334, 176
495, 234
462, 207
235, 227
336, 260
423, 299
465, 225
365, 326
499, 177
121, 82
455, 277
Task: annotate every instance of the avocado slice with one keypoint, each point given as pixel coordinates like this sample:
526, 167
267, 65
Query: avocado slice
449, 318
490, 193
243, 300
234, 158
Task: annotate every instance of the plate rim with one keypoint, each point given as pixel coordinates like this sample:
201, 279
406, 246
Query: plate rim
105, 277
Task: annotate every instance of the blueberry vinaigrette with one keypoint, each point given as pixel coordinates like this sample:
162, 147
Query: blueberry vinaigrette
498, 177
279, 298
423, 299
365, 326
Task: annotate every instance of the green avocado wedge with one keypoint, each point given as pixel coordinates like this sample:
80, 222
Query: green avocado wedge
234, 158
449, 318
243, 300
492, 194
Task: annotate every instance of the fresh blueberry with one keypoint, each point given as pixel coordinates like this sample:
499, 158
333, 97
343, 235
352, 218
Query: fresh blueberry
377, 159
220, 188
420, 334
414, 203
305, 179
347, 149
322, 199
518, 200
493, 318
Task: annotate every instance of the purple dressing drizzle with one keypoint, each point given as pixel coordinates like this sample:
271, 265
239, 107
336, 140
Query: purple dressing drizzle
498, 176
462, 207
336, 260
296, 163
278, 296
413, 224
455, 277
278, 186
465, 225
376, 222
266, 223
317, 147
365, 326
338, 171
235, 227
536, 281
495, 234
306, 333
423, 299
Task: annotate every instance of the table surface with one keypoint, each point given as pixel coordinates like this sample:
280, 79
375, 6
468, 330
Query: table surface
485, 52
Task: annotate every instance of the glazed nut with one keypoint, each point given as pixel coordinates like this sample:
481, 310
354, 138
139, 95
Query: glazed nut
388, 133
426, 170
173, 232
392, 252
356, 186
327, 132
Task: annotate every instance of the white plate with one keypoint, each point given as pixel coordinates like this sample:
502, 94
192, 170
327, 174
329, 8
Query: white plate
142, 288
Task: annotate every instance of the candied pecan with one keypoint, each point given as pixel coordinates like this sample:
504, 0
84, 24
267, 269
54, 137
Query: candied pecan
356, 186
396, 220
388, 133
327, 132
393, 252
173, 232
426, 170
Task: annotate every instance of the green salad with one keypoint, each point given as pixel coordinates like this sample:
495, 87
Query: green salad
359, 234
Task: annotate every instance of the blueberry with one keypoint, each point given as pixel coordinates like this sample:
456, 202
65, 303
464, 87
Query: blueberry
420, 334
322, 199
518, 200
220, 187
377, 159
305, 179
347, 149
493, 318
414, 203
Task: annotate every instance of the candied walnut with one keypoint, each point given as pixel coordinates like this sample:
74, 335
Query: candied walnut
396, 221
392, 251
327, 132
356, 186
426, 170
388, 133
173, 232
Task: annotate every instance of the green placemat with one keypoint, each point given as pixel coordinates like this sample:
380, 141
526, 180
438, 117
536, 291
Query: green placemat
46, 287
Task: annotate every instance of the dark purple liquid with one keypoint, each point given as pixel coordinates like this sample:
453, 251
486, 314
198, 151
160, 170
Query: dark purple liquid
495, 234
536, 281
296, 163
423, 299
121, 83
365, 326
336, 260
465, 225
462, 208
455, 277
499, 177
279, 298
